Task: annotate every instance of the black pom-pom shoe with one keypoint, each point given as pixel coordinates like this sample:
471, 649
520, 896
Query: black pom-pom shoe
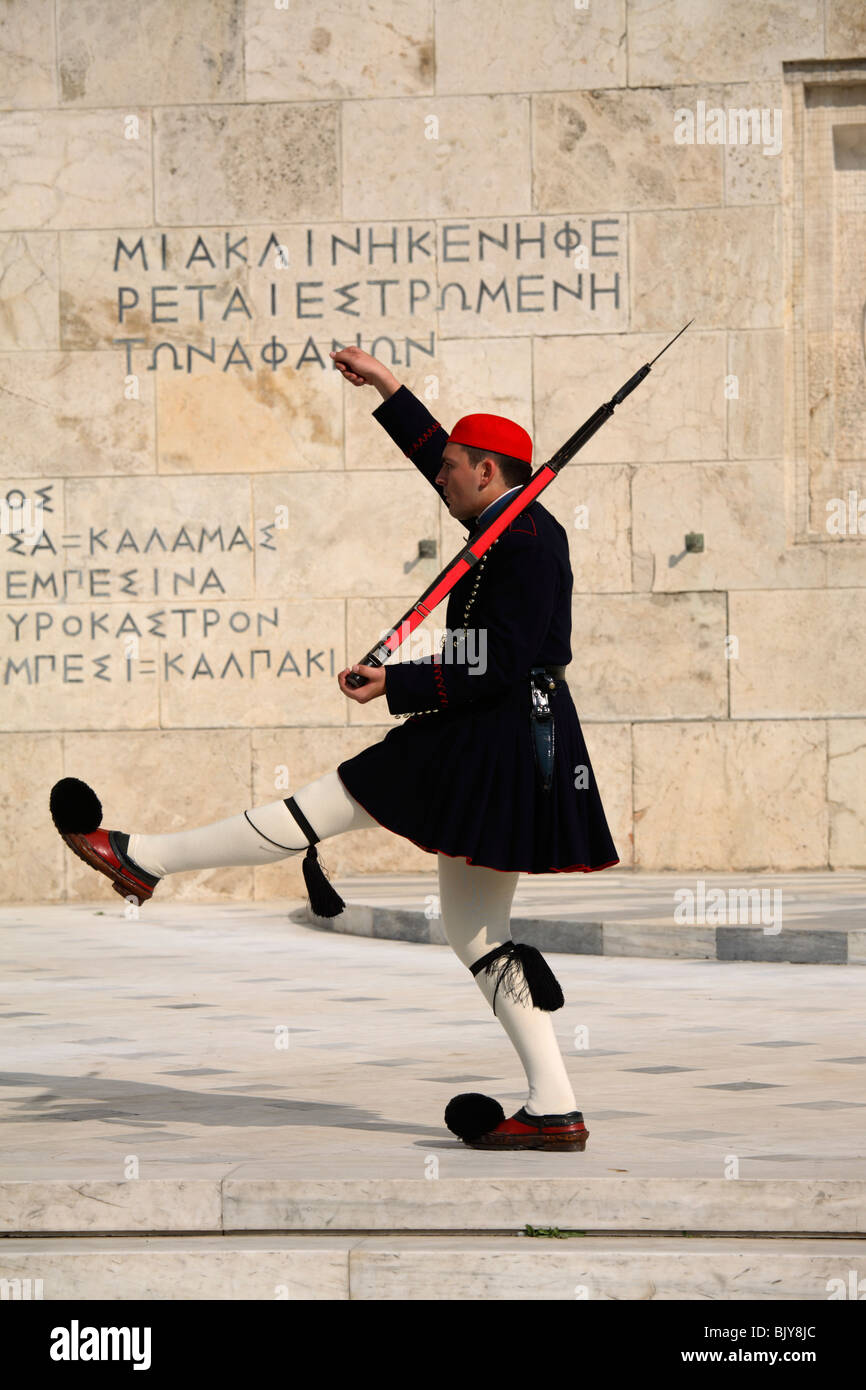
480, 1122
77, 812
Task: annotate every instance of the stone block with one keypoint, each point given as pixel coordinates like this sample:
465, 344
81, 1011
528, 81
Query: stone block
671, 942
326, 550
844, 564
205, 173
572, 938
799, 947
756, 412
27, 54
677, 413
846, 792
269, 662
529, 48
744, 794
751, 175
173, 285
589, 1203
29, 274
592, 502
576, 133
682, 637
253, 421
846, 29
71, 667
441, 164
65, 413
348, 48
551, 1270
74, 168
519, 275
799, 653
149, 533
162, 1204
150, 52
208, 1267
609, 749
739, 509
28, 770
720, 266
699, 41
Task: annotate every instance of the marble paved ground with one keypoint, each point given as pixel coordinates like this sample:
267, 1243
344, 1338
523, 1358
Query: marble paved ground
163, 1038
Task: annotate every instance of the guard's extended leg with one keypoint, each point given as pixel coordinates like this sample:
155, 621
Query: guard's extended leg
263, 835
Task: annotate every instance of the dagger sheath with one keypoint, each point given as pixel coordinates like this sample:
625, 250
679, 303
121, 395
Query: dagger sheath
480, 544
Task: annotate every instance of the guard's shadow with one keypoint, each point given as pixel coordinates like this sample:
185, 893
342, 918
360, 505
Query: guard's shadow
76, 1098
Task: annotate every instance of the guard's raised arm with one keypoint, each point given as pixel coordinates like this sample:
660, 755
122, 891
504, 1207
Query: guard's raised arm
405, 418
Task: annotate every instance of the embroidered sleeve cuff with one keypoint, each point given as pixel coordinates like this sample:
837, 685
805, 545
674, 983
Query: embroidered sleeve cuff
412, 686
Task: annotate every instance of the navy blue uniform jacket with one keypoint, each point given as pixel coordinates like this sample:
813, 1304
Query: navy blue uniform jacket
463, 780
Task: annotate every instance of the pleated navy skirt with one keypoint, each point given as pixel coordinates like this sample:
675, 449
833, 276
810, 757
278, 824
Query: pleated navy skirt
464, 783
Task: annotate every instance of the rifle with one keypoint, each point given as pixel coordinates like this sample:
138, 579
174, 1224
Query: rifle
480, 544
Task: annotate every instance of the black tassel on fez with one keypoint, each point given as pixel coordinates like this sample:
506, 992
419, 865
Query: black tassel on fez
538, 981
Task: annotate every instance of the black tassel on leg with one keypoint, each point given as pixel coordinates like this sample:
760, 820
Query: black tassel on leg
538, 981
325, 901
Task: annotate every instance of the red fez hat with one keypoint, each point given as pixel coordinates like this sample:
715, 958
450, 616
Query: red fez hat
495, 433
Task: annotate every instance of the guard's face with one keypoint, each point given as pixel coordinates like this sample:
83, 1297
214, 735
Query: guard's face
461, 483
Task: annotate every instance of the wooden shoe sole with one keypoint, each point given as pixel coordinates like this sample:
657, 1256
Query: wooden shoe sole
560, 1143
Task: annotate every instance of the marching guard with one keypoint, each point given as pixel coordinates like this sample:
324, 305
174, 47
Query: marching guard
488, 767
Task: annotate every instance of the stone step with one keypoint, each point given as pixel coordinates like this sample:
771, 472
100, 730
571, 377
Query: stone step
455, 1267
784, 1206
834, 935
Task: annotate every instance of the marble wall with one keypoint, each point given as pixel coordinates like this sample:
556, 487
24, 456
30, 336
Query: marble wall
509, 205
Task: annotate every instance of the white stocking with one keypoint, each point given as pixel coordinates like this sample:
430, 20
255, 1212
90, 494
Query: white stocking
475, 903
262, 835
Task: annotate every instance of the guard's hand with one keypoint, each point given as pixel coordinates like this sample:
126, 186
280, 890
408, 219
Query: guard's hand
357, 366
362, 369
375, 683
